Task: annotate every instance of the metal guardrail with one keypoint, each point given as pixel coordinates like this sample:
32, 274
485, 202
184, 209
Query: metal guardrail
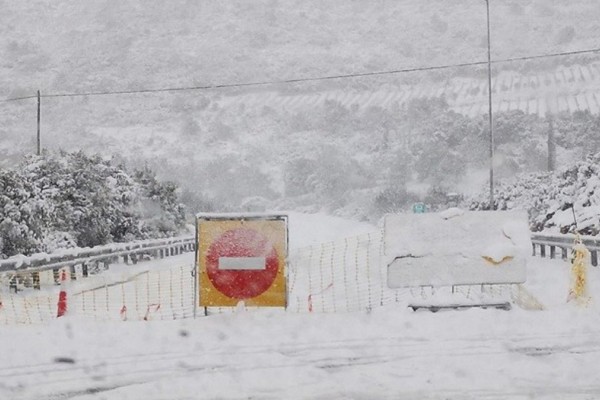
544, 245
108, 254
564, 243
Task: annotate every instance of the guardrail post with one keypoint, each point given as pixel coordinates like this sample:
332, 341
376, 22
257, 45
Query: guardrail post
73, 272
55, 275
565, 253
542, 250
552, 252
533, 246
84, 269
35, 277
594, 258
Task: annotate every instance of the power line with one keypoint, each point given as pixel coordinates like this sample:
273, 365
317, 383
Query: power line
18, 98
548, 55
313, 79
264, 83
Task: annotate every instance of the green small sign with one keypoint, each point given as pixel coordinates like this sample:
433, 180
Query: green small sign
419, 208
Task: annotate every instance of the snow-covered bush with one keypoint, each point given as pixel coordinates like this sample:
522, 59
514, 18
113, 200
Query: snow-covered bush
565, 201
61, 200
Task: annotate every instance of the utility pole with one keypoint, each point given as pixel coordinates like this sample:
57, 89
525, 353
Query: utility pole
39, 138
551, 144
491, 128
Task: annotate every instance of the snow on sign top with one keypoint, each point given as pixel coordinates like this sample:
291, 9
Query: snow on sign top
456, 247
240, 216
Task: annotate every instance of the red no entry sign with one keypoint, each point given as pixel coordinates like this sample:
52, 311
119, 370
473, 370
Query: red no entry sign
242, 263
242, 259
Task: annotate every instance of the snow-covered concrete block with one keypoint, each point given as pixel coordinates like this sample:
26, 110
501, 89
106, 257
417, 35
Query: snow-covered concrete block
456, 247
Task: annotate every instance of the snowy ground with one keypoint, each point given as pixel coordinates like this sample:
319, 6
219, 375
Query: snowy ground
389, 353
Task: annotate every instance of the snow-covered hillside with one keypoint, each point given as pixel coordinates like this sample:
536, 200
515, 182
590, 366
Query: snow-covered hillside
237, 147
103, 46
567, 88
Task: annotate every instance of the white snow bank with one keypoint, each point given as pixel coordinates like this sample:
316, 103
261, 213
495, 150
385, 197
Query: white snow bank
451, 213
456, 247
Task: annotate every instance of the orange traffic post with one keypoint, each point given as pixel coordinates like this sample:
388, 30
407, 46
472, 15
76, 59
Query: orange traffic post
62, 296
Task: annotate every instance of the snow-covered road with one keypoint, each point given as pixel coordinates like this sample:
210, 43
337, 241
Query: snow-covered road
389, 352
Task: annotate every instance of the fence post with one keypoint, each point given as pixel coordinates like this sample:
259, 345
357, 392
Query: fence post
13, 283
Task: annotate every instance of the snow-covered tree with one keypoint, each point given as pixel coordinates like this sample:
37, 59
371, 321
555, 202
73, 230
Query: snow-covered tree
72, 199
567, 200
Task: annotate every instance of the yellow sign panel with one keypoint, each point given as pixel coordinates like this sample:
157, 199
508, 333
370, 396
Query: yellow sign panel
242, 259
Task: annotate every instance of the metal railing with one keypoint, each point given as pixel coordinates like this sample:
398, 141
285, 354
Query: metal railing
94, 257
563, 243
544, 245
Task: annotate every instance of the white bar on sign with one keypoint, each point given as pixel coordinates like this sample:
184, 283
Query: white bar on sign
242, 263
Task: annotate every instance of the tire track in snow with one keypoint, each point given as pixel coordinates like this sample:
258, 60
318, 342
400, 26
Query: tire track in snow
298, 349
110, 373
